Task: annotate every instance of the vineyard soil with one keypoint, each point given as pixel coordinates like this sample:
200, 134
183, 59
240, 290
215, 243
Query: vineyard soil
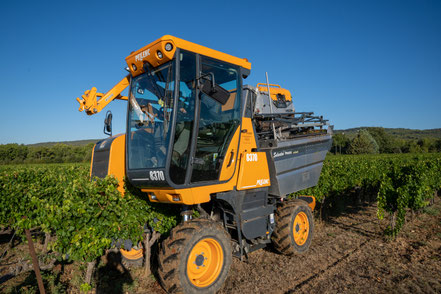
349, 254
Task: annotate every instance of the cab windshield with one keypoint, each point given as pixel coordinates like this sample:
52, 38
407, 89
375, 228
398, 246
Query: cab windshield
150, 113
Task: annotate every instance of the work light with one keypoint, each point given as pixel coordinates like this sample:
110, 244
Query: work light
168, 47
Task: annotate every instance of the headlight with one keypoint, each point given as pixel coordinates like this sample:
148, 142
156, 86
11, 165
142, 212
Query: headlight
159, 54
168, 47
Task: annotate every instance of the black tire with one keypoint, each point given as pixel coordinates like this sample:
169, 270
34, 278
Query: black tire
132, 263
175, 262
286, 232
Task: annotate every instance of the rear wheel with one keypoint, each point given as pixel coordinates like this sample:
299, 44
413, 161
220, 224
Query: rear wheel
294, 227
195, 258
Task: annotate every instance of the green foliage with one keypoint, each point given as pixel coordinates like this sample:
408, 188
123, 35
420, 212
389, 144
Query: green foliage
391, 140
13, 153
58, 153
401, 182
404, 187
386, 142
400, 133
340, 144
363, 143
85, 287
85, 216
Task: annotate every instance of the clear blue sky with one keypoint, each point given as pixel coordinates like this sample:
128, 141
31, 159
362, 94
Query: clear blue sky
358, 63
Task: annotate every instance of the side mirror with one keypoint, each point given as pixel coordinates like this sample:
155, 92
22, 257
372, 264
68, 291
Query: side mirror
108, 123
211, 89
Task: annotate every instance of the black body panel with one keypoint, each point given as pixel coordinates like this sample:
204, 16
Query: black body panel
101, 154
251, 211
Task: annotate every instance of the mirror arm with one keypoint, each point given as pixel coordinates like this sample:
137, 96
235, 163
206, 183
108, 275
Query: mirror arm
204, 76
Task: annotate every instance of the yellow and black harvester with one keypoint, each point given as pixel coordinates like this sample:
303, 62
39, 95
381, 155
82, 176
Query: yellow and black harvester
199, 138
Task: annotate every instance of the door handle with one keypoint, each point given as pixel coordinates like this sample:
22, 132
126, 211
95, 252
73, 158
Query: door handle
231, 158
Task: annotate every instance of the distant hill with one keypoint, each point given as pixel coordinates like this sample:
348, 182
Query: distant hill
399, 133
70, 143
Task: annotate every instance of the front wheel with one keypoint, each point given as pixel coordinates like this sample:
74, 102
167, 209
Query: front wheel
195, 258
294, 227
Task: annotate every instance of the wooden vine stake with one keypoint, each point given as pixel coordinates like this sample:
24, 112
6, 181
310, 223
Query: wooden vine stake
35, 262
89, 271
148, 243
47, 238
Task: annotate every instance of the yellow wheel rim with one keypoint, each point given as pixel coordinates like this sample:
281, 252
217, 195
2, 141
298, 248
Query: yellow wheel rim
300, 228
132, 254
205, 262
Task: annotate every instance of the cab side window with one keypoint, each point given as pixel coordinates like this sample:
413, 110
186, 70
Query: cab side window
217, 122
184, 118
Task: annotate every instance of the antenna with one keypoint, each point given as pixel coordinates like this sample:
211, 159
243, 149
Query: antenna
269, 94
271, 104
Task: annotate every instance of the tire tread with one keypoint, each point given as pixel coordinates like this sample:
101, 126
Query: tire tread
169, 257
281, 236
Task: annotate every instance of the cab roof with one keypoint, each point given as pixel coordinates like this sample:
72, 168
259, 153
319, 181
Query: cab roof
163, 49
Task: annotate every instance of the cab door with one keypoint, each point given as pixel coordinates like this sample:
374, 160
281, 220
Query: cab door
218, 125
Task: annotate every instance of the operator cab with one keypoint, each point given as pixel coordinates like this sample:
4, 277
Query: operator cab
184, 109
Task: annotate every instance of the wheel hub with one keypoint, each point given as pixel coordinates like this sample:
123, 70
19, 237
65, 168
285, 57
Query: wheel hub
301, 228
200, 259
204, 264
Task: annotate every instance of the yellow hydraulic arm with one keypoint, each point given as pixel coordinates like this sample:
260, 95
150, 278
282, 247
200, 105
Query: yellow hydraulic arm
90, 104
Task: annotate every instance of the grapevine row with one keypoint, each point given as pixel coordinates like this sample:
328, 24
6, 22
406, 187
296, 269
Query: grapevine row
85, 217
400, 183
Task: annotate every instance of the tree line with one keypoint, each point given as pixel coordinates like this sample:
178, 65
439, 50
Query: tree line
58, 153
375, 140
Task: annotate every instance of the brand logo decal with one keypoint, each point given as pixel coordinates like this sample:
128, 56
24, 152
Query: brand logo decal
140, 56
283, 153
262, 182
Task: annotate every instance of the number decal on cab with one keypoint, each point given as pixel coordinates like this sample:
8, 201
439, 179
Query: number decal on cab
251, 157
157, 175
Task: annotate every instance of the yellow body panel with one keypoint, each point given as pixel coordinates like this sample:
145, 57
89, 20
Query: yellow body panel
91, 161
149, 53
274, 90
247, 137
253, 171
188, 196
196, 195
311, 203
229, 163
117, 164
